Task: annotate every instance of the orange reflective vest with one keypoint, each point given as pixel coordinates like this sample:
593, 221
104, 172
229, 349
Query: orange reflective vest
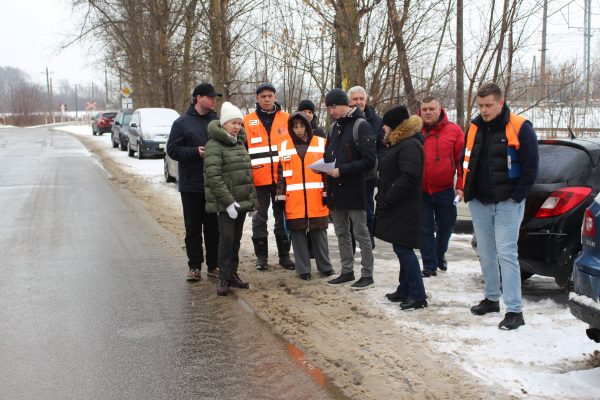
304, 187
512, 136
263, 147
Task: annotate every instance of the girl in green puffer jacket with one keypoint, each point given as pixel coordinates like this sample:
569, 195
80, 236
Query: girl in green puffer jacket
229, 190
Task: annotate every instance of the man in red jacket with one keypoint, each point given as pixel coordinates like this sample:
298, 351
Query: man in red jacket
444, 142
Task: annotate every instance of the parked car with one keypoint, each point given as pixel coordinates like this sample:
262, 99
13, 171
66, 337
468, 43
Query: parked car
567, 182
171, 169
94, 120
584, 300
120, 128
148, 131
103, 123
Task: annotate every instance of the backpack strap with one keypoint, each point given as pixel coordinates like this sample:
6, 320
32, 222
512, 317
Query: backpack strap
355, 129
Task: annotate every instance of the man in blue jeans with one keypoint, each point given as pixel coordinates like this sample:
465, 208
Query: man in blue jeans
443, 147
500, 166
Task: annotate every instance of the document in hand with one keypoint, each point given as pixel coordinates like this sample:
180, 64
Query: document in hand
322, 166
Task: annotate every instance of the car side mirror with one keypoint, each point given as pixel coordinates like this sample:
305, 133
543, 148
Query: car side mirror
133, 125
117, 123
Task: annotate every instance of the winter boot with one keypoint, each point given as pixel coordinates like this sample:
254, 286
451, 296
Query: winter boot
283, 247
261, 249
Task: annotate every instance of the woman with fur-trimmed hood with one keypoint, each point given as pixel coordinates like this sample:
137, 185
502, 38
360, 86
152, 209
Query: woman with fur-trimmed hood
398, 216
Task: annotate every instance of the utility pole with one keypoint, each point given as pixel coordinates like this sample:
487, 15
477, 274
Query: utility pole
106, 87
587, 35
544, 31
51, 106
48, 86
76, 105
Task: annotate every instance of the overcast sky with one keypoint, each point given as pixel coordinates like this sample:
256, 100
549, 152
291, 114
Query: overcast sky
32, 31
31, 34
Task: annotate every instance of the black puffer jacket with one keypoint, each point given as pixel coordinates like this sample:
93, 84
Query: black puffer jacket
349, 191
187, 133
398, 215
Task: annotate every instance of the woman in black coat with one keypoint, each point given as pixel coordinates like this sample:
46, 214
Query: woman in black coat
398, 219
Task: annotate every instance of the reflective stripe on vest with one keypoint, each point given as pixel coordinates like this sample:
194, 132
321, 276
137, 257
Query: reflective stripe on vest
304, 187
512, 136
263, 148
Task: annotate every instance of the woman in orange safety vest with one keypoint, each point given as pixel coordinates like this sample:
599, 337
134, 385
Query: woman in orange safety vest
303, 192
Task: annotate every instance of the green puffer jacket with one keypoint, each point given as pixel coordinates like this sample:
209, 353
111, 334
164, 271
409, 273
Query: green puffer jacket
227, 171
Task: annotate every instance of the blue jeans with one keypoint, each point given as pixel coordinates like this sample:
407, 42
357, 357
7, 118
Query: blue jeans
436, 208
411, 282
496, 227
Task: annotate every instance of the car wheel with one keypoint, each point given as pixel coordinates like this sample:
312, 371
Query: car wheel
123, 145
93, 132
112, 138
130, 152
168, 177
140, 155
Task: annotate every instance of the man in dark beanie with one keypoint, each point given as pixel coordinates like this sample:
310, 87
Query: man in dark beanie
266, 128
308, 108
186, 143
347, 191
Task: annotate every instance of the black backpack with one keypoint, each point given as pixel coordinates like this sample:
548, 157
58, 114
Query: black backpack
372, 173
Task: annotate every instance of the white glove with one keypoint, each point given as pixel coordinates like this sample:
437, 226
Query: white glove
231, 210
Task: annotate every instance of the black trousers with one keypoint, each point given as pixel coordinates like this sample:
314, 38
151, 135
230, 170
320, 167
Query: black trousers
196, 220
230, 235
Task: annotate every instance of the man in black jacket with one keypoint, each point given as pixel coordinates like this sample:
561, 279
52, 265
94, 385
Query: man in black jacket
358, 98
186, 145
346, 189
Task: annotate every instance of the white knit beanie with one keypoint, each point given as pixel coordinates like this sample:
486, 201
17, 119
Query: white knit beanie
229, 112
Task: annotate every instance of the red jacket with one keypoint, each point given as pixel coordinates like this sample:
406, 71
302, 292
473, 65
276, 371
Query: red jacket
443, 149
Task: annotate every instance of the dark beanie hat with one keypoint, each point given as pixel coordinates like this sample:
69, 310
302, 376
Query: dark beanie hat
336, 97
306, 105
395, 116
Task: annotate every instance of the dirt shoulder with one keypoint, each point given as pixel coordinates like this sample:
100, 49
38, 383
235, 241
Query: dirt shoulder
367, 352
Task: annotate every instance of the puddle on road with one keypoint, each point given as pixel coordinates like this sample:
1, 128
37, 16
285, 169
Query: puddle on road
260, 363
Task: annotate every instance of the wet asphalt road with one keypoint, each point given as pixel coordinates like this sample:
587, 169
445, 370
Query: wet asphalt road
92, 300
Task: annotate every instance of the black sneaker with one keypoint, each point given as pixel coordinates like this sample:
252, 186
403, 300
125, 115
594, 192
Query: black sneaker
413, 304
486, 306
443, 264
343, 278
512, 320
429, 272
364, 282
395, 297
305, 277
327, 273
261, 263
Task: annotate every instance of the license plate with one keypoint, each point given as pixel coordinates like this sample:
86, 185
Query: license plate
161, 146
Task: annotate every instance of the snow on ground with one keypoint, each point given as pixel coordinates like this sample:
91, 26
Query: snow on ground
549, 357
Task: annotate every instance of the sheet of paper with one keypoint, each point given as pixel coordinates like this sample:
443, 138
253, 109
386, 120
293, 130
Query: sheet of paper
322, 166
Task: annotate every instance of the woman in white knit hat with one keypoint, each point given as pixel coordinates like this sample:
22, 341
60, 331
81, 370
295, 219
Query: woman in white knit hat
229, 189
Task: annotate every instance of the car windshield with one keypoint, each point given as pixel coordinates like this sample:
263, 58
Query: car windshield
160, 118
560, 163
127, 118
109, 115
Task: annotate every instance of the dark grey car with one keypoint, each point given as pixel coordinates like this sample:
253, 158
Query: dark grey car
120, 129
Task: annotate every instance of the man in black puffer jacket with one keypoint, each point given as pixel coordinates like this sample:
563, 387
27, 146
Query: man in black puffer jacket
347, 191
186, 145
